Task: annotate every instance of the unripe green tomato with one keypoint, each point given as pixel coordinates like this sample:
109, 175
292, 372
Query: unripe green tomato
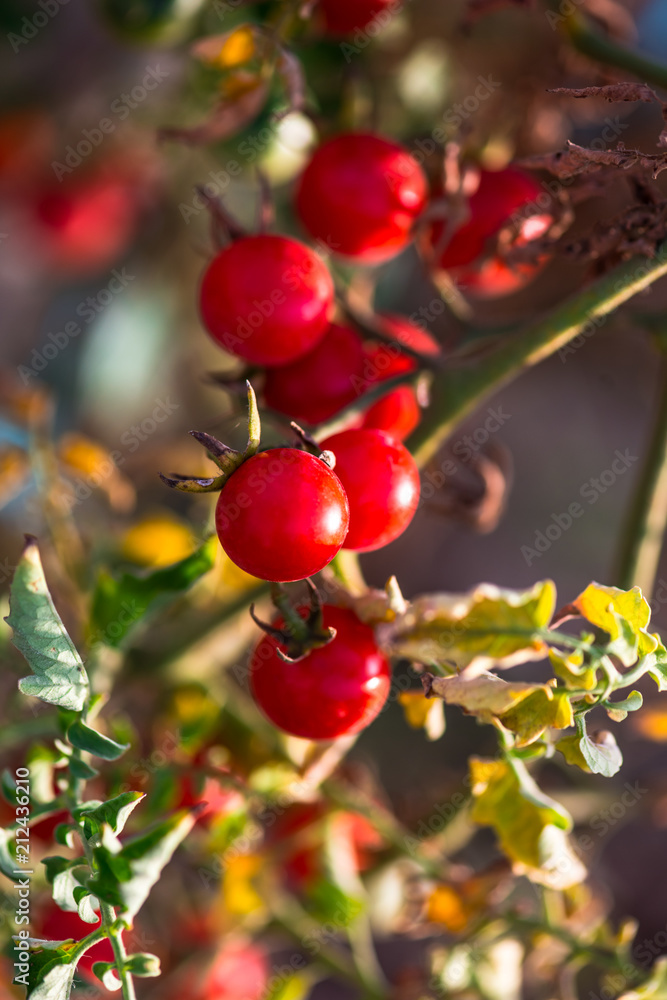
152, 22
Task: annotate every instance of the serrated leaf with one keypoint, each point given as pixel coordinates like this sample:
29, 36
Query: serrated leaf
114, 813
603, 755
58, 676
119, 604
485, 627
126, 876
531, 828
89, 740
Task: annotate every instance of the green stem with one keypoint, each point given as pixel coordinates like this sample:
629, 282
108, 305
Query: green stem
119, 953
86, 943
647, 519
604, 50
460, 390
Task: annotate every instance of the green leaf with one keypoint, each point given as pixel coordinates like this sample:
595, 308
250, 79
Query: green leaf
85, 903
127, 874
65, 875
84, 738
114, 813
485, 627
59, 676
51, 972
531, 828
119, 604
296, 986
618, 710
80, 769
144, 965
624, 615
603, 754
106, 973
64, 835
655, 987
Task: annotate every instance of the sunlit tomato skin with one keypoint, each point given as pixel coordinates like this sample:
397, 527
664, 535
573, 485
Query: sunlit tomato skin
320, 383
282, 516
333, 691
398, 413
266, 299
500, 196
342, 17
86, 225
381, 480
360, 195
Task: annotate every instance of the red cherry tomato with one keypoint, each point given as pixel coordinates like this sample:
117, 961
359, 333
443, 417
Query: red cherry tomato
239, 972
360, 195
342, 17
220, 799
500, 196
320, 383
282, 516
382, 485
398, 412
267, 299
333, 691
86, 225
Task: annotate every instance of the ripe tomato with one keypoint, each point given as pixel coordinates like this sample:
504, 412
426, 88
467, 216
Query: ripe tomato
500, 196
398, 412
85, 225
333, 691
382, 485
319, 383
342, 17
221, 800
360, 195
282, 516
266, 299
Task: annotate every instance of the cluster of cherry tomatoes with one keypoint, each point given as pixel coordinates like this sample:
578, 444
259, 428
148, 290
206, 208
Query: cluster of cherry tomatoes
269, 299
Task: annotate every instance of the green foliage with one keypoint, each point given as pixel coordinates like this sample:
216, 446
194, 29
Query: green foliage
126, 874
120, 604
59, 676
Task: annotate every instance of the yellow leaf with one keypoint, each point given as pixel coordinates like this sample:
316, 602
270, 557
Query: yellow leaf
239, 895
486, 627
159, 540
531, 827
544, 709
88, 460
572, 670
423, 713
14, 472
